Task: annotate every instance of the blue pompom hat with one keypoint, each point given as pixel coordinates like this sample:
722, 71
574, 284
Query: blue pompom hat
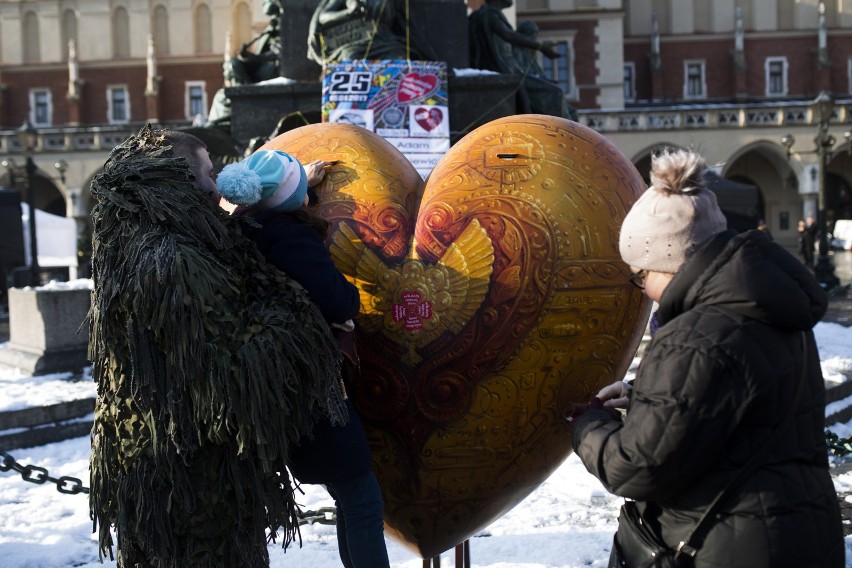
268, 179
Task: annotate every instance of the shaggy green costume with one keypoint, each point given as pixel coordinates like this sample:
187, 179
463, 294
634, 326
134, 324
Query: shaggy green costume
209, 363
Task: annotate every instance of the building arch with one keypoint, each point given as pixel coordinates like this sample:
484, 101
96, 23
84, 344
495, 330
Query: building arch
203, 29
68, 31
31, 38
120, 33
160, 29
642, 160
764, 164
46, 195
240, 26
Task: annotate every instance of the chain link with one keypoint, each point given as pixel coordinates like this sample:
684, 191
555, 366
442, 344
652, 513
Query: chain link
322, 516
39, 475
72, 486
837, 445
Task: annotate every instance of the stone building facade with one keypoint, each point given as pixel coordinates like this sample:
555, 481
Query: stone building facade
729, 78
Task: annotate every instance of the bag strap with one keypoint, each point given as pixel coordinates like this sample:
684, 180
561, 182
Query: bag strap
685, 547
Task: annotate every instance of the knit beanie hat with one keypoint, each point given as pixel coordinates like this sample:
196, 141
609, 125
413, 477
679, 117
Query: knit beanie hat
268, 179
675, 215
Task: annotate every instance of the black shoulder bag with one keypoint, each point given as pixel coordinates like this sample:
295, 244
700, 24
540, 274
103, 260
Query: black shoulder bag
635, 545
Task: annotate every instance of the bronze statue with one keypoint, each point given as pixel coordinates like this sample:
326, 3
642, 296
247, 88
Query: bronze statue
495, 46
344, 30
258, 60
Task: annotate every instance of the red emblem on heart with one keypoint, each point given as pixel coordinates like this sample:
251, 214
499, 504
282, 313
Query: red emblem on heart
428, 118
412, 311
416, 87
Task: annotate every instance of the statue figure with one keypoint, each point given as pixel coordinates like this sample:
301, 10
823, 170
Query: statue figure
495, 46
263, 61
258, 60
525, 60
344, 30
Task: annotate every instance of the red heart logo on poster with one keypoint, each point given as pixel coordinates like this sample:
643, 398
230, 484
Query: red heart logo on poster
428, 118
414, 87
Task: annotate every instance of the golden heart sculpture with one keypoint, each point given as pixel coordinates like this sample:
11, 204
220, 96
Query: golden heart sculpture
492, 298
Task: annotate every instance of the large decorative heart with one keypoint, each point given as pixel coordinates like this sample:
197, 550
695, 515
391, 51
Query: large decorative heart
416, 87
492, 296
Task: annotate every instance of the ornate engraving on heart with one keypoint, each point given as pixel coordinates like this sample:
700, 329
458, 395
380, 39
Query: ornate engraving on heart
492, 298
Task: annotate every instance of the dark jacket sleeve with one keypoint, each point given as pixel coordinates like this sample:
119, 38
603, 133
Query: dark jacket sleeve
298, 250
683, 410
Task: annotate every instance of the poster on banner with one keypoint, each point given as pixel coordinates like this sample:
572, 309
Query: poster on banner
405, 102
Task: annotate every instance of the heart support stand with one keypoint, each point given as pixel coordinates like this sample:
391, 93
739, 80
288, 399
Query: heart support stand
462, 557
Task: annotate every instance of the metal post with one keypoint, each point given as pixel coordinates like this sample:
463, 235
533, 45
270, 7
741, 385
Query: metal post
824, 270
34, 269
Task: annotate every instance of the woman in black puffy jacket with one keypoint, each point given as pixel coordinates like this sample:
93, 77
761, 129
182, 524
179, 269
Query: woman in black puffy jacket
735, 339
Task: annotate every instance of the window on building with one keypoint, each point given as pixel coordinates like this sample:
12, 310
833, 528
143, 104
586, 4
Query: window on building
203, 30
32, 39
629, 81
120, 33
695, 85
196, 100
41, 107
69, 31
561, 69
118, 104
776, 76
160, 27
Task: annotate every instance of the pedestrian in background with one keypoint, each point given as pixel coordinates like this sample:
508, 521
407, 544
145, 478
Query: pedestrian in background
728, 401
807, 240
272, 188
210, 365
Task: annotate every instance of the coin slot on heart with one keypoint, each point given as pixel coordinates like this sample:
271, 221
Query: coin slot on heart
514, 154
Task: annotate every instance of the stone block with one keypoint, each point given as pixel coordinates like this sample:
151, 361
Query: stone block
46, 334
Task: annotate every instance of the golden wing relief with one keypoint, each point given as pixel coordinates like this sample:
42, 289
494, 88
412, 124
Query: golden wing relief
413, 303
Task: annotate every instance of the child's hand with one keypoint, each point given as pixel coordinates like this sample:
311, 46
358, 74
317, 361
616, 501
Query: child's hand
315, 171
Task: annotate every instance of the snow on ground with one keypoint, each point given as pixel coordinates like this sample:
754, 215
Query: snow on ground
567, 522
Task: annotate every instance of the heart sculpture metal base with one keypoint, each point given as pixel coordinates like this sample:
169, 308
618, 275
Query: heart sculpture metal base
493, 297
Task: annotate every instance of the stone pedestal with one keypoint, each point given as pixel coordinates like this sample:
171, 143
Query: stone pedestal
45, 333
256, 109
294, 41
474, 101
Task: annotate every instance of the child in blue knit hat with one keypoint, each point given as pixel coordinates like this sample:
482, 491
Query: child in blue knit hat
270, 180
272, 188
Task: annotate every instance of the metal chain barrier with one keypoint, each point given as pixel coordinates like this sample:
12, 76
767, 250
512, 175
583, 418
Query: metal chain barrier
322, 516
39, 475
73, 486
